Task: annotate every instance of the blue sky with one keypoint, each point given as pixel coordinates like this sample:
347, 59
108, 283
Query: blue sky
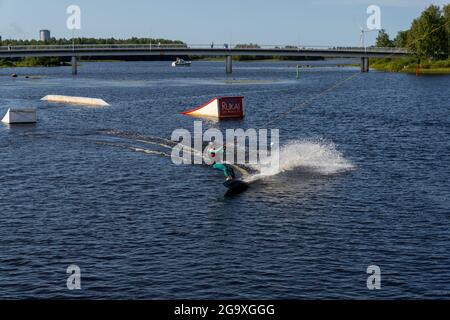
308, 22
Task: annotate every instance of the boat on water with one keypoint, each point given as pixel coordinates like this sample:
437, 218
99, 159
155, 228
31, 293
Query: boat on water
181, 63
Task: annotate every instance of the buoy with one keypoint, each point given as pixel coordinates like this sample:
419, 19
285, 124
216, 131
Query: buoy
220, 108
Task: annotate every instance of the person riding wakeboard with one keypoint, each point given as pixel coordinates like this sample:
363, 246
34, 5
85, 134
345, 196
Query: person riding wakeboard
214, 154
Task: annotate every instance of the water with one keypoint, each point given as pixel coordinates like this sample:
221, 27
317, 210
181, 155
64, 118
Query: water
363, 181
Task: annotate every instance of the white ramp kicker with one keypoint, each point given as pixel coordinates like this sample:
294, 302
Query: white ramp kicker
220, 108
76, 100
20, 116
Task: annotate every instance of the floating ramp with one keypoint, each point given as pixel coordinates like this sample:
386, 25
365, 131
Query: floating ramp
20, 116
76, 100
220, 108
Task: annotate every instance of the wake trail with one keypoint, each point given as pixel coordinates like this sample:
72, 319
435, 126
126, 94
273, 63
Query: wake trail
316, 156
134, 148
137, 137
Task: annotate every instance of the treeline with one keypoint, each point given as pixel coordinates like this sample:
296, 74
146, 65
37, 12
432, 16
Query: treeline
255, 46
80, 41
428, 37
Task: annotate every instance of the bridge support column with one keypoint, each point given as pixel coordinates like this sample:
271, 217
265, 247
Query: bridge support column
74, 66
364, 64
229, 64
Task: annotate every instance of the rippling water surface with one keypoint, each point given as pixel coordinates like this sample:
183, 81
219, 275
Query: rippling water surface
364, 181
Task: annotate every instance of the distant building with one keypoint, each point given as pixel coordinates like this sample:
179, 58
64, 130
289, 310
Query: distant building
44, 35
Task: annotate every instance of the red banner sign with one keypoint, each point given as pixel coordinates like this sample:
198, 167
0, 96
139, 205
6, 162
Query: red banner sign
231, 107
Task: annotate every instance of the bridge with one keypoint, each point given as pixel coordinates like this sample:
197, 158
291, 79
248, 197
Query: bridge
77, 51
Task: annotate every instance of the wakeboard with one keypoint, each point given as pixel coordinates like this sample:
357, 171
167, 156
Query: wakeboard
235, 186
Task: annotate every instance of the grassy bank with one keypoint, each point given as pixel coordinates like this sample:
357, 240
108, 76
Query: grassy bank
6, 64
409, 65
32, 62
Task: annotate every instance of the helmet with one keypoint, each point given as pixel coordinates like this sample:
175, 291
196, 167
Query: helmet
214, 151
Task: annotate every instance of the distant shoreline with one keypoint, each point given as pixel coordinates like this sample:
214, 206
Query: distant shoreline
435, 71
409, 65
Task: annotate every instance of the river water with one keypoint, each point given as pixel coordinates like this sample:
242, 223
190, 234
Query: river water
364, 180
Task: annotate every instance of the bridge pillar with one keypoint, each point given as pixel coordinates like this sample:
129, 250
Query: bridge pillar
74, 66
365, 64
229, 64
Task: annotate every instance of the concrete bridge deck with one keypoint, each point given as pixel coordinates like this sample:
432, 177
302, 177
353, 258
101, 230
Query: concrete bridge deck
77, 51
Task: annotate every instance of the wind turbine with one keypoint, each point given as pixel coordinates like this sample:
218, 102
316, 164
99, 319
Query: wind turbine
362, 37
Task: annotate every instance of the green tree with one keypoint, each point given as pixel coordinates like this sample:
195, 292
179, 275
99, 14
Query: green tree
427, 36
383, 39
446, 11
248, 46
401, 40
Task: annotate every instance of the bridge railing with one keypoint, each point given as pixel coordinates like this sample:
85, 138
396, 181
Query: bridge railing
221, 47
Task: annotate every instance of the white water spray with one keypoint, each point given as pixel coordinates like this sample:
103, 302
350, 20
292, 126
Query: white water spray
308, 155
